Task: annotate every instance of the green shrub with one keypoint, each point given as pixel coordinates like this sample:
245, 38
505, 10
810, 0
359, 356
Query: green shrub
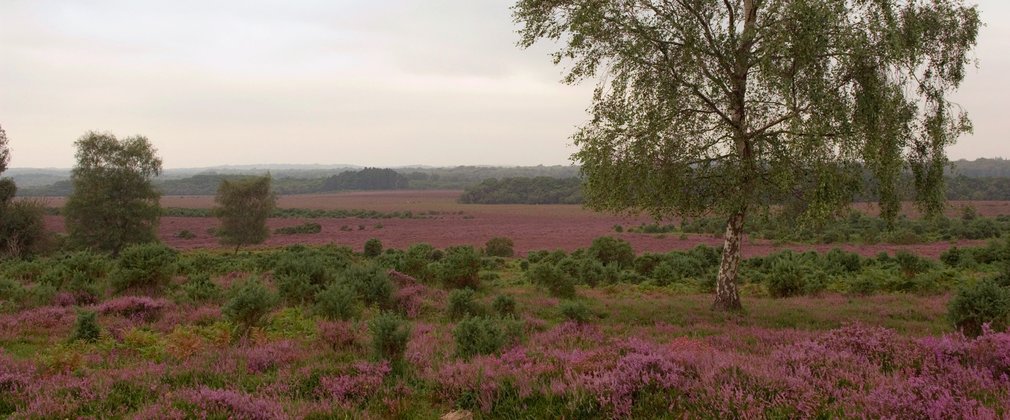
200, 288
459, 268
373, 248
390, 334
787, 277
463, 303
478, 335
370, 282
612, 251
295, 289
304, 228
185, 234
984, 302
148, 267
574, 310
645, 264
293, 263
416, 260
504, 306
869, 281
548, 276
499, 247
249, 305
10, 290
86, 327
337, 301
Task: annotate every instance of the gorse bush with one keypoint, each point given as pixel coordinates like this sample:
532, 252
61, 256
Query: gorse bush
373, 247
249, 305
499, 247
788, 276
574, 310
296, 288
463, 303
370, 282
86, 327
148, 267
550, 277
459, 268
478, 335
612, 251
304, 228
390, 334
337, 302
984, 302
504, 306
200, 288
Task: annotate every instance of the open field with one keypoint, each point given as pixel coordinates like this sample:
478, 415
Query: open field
531, 227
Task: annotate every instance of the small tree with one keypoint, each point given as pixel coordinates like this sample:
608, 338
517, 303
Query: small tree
113, 203
729, 106
243, 207
21, 222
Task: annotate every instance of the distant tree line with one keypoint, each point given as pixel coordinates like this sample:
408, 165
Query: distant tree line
366, 179
539, 190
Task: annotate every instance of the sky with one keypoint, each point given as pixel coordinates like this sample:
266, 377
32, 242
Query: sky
366, 82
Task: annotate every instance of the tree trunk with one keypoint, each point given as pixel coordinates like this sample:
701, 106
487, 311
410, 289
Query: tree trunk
726, 296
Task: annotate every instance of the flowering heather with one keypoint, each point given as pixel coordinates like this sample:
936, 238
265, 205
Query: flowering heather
233, 404
136, 308
268, 356
364, 380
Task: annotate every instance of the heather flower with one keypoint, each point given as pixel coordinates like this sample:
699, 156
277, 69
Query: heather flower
137, 308
234, 404
364, 381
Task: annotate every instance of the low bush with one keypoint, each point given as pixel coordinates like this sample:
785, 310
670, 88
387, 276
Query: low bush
390, 335
373, 248
463, 303
477, 336
612, 251
984, 302
504, 306
296, 288
337, 302
200, 288
459, 268
787, 277
574, 310
146, 267
185, 234
304, 228
86, 327
499, 247
550, 277
250, 303
371, 283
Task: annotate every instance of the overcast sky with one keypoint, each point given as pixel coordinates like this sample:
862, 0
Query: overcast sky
369, 82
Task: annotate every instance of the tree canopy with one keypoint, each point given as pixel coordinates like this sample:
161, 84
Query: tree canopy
243, 207
715, 105
113, 203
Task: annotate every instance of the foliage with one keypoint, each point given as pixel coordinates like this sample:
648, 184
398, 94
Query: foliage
612, 251
366, 179
539, 190
304, 228
200, 288
113, 203
86, 327
144, 266
716, 106
550, 277
459, 268
499, 247
373, 248
243, 207
390, 335
463, 303
576, 311
983, 303
504, 306
478, 335
371, 283
337, 302
249, 305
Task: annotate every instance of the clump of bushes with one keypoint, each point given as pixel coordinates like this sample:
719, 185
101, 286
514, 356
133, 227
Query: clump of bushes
985, 302
557, 282
249, 305
185, 234
499, 247
200, 288
459, 268
373, 248
390, 335
371, 283
504, 306
574, 310
478, 335
304, 228
463, 303
337, 302
147, 267
612, 251
86, 327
